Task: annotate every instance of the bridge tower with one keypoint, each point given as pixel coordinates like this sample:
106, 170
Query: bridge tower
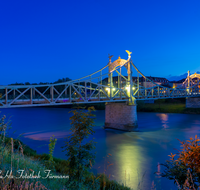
121, 116
193, 79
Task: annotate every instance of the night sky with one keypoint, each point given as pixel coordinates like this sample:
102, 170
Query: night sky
42, 41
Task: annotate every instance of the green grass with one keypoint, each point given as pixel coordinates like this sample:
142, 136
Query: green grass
29, 161
167, 106
17, 161
163, 106
107, 184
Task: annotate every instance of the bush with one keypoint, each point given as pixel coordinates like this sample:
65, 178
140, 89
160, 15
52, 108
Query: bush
78, 151
185, 170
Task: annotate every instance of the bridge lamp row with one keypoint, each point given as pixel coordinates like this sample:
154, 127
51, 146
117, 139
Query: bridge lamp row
128, 88
108, 89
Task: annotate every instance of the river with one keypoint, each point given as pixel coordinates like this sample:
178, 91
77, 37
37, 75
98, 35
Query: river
135, 155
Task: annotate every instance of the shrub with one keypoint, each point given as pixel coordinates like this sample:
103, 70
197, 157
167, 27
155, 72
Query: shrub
50, 162
185, 170
79, 152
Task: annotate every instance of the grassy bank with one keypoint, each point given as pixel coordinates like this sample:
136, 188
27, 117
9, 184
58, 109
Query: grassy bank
15, 156
177, 105
167, 106
22, 172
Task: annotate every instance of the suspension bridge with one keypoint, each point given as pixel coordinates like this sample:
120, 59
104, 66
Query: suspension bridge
119, 81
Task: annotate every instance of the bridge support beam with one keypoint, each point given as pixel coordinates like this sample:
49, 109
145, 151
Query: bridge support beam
192, 102
121, 116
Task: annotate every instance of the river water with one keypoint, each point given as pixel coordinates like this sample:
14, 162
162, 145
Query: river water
135, 155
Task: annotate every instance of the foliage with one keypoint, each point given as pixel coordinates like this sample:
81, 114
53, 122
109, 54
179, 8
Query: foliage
43, 83
16, 155
4, 126
140, 103
79, 152
18, 144
167, 106
186, 168
50, 162
62, 80
107, 184
51, 147
12, 160
27, 83
30, 166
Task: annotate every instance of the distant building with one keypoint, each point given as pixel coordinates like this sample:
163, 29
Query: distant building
174, 84
156, 80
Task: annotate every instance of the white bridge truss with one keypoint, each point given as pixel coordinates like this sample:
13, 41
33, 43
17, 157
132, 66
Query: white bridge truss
114, 82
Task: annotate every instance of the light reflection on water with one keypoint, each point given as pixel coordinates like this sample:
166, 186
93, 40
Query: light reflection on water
164, 119
135, 155
44, 136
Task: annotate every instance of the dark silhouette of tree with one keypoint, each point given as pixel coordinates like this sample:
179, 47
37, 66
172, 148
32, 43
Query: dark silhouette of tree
78, 150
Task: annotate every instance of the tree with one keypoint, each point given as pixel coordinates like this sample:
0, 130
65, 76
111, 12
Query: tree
185, 170
79, 150
50, 162
4, 126
62, 80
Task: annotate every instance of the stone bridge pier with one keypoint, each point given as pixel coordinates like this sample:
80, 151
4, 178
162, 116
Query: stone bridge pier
192, 102
121, 116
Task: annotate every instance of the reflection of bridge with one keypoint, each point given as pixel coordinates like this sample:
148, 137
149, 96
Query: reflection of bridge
98, 87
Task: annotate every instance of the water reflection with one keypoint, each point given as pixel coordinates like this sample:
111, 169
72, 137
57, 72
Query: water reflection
128, 157
136, 153
44, 136
129, 160
164, 119
197, 122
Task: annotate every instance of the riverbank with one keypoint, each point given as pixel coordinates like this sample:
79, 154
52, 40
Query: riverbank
167, 106
153, 144
16, 156
177, 105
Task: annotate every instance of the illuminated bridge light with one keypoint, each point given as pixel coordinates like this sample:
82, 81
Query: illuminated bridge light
128, 88
108, 89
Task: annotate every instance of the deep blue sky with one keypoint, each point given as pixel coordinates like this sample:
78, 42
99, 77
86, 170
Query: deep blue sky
42, 41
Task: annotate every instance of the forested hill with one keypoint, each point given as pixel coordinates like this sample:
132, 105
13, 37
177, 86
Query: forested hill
42, 83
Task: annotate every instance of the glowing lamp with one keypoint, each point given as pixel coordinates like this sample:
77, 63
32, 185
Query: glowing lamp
108, 89
128, 88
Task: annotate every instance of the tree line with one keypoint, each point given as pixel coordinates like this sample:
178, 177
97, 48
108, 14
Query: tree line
43, 83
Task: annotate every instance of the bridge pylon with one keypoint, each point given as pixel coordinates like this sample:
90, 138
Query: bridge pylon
122, 116
192, 84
